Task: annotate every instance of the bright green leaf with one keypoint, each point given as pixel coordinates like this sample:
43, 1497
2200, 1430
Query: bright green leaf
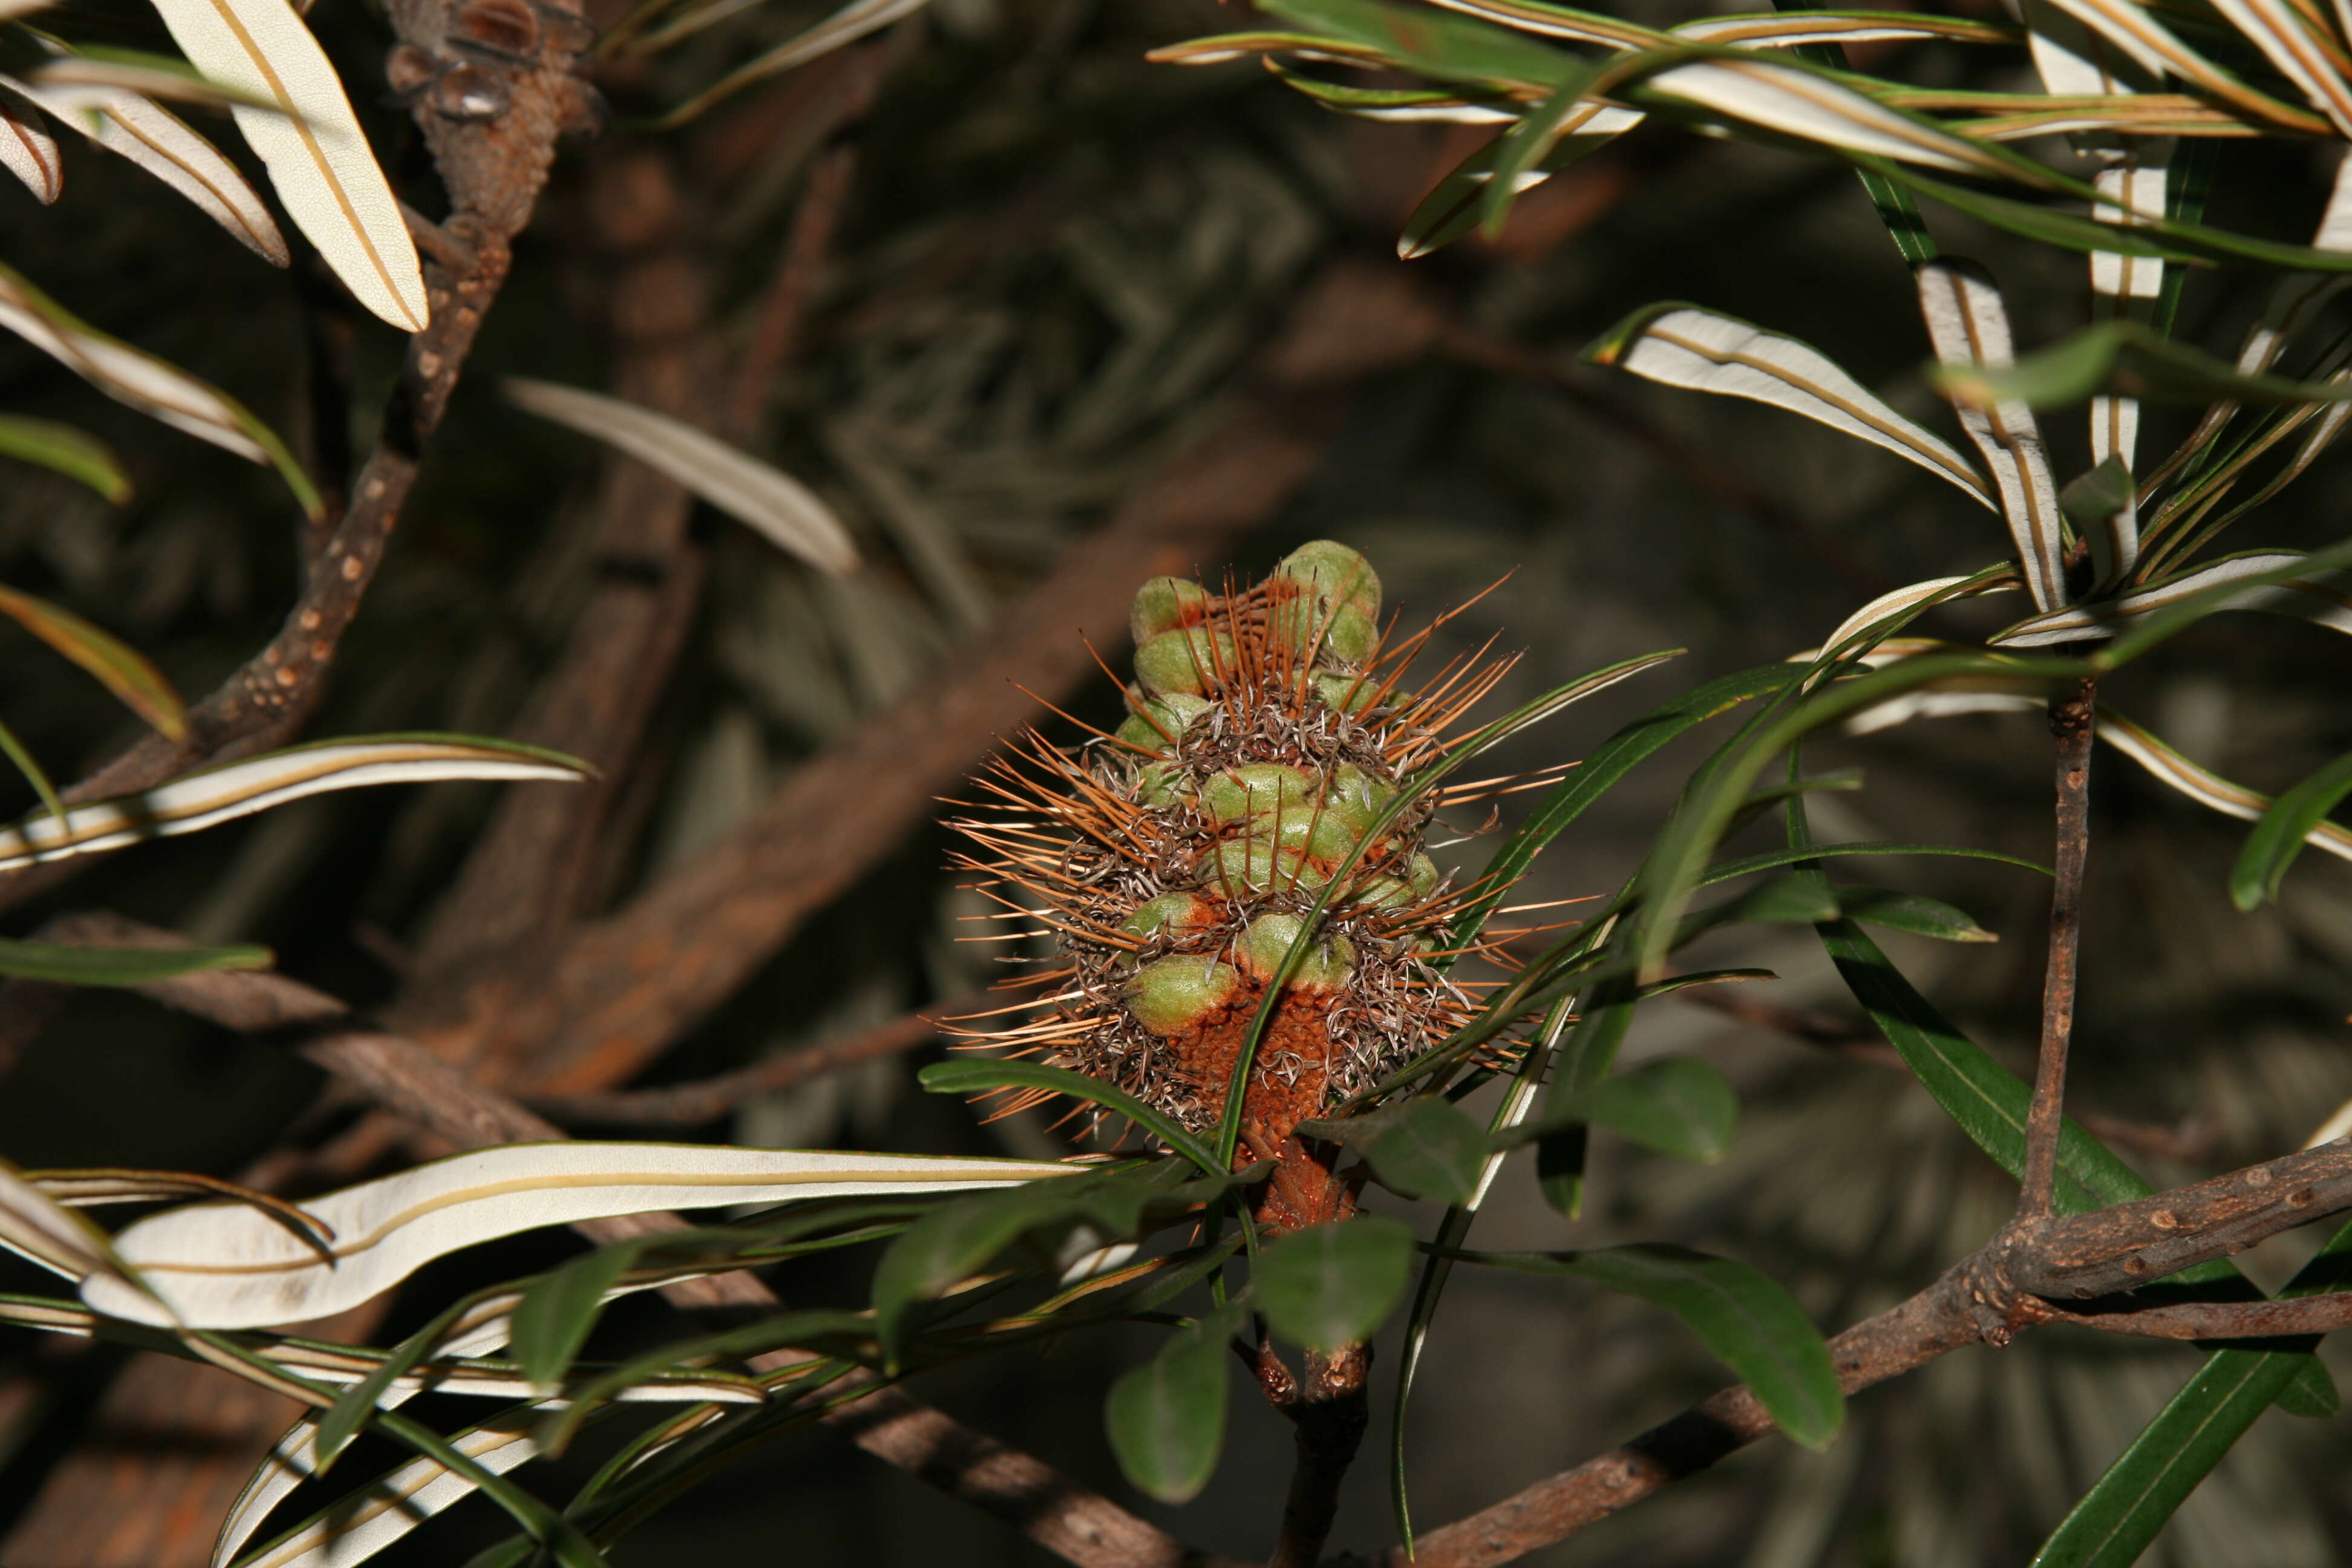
556, 1316
1750, 1323
2279, 836
1675, 1105
1330, 1286
1450, 49
1166, 1418
67, 450
2130, 358
1913, 913
971, 1076
1422, 1148
121, 965
136, 683
2089, 499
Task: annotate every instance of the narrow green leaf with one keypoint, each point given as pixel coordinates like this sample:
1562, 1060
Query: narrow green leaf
1584, 1062
2126, 358
1166, 1418
953, 1241
1436, 1267
114, 664
971, 1076
2089, 499
121, 965
1518, 150
1448, 47
1679, 855
341, 1421
1451, 208
2120, 1515
67, 450
34, 774
1913, 913
1783, 901
1725, 870
802, 1329
1675, 1105
1603, 768
1984, 1097
1750, 1323
1422, 1148
1896, 211
2191, 180
957, 1239
2168, 239
554, 1533
2279, 836
1330, 1286
556, 1316
1559, 1169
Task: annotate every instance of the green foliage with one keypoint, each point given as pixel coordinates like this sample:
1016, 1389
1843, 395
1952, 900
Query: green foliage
1675, 1105
1750, 1323
1167, 1417
1421, 1147
1331, 1285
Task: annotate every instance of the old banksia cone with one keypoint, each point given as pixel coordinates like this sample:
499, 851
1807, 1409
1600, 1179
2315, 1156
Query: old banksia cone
1177, 862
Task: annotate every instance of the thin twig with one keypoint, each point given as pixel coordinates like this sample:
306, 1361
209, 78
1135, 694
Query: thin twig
1928, 1325
1056, 1512
2012, 1284
708, 1100
2071, 720
808, 244
493, 170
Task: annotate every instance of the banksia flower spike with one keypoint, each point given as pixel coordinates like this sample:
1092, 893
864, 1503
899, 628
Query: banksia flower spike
1176, 862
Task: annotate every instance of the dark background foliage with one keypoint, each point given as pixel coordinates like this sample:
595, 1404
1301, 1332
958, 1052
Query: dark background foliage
1057, 262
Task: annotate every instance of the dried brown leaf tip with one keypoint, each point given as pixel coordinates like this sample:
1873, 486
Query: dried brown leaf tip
1174, 862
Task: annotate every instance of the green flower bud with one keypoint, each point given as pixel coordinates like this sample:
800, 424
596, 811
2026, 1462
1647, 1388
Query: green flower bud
1164, 604
1325, 966
1178, 914
1183, 661
1348, 693
1329, 632
1332, 571
1156, 718
1323, 837
1171, 994
1258, 790
1394, 892
1161, 785
1253, 865
1355, 796
1351, 635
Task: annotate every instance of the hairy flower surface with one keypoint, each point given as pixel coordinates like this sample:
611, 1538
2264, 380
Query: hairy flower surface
1175, 864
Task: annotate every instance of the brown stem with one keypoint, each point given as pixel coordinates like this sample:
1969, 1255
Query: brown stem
1997, 1290
1056, 1512
808, 244
706, 1100
494, 170
1930, 1324
2071, 720
1331, 1411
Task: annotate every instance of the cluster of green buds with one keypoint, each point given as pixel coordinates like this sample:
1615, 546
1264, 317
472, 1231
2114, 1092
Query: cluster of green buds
1256, 795
1257, 744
